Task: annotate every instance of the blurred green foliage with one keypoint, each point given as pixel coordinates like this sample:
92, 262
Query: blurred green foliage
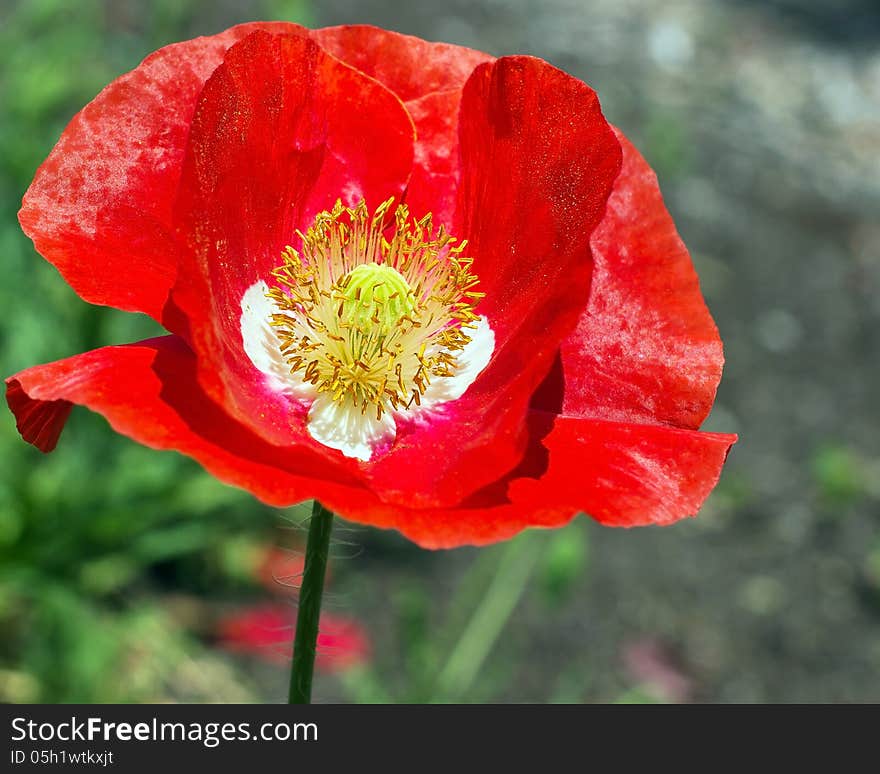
89, 533
841, 474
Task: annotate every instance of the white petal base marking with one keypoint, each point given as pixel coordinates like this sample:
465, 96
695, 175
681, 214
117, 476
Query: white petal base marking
469, 363
342, 426
261, 344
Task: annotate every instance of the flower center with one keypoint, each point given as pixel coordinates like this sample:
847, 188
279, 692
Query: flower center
372, 308
376, 294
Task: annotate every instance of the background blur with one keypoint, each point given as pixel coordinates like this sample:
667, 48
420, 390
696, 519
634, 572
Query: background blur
131, 575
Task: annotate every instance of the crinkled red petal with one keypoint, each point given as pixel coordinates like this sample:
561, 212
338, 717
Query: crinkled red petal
646, 348
281, 131
99, 207
409, 66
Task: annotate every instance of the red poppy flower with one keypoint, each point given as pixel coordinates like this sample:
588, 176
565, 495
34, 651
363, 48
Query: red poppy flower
537, 347
267, 631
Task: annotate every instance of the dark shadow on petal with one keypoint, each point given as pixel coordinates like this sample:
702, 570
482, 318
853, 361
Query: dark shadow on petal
533, 465
175, 320
549, 395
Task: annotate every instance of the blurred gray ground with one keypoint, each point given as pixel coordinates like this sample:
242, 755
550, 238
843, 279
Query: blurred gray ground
763, 122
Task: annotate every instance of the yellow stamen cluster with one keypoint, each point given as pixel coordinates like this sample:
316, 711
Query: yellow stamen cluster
372, 319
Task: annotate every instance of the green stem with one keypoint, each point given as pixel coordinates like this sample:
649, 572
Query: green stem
310, 592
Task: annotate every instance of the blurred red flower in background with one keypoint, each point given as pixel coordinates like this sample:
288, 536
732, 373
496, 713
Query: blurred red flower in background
561, 361
266, 630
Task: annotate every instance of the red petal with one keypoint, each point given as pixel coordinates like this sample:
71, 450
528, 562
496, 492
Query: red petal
436, 168
428, 77
40, 422
99, 208
538, 162
149, 392
622, 475
646, 348
410, 67
280, 132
